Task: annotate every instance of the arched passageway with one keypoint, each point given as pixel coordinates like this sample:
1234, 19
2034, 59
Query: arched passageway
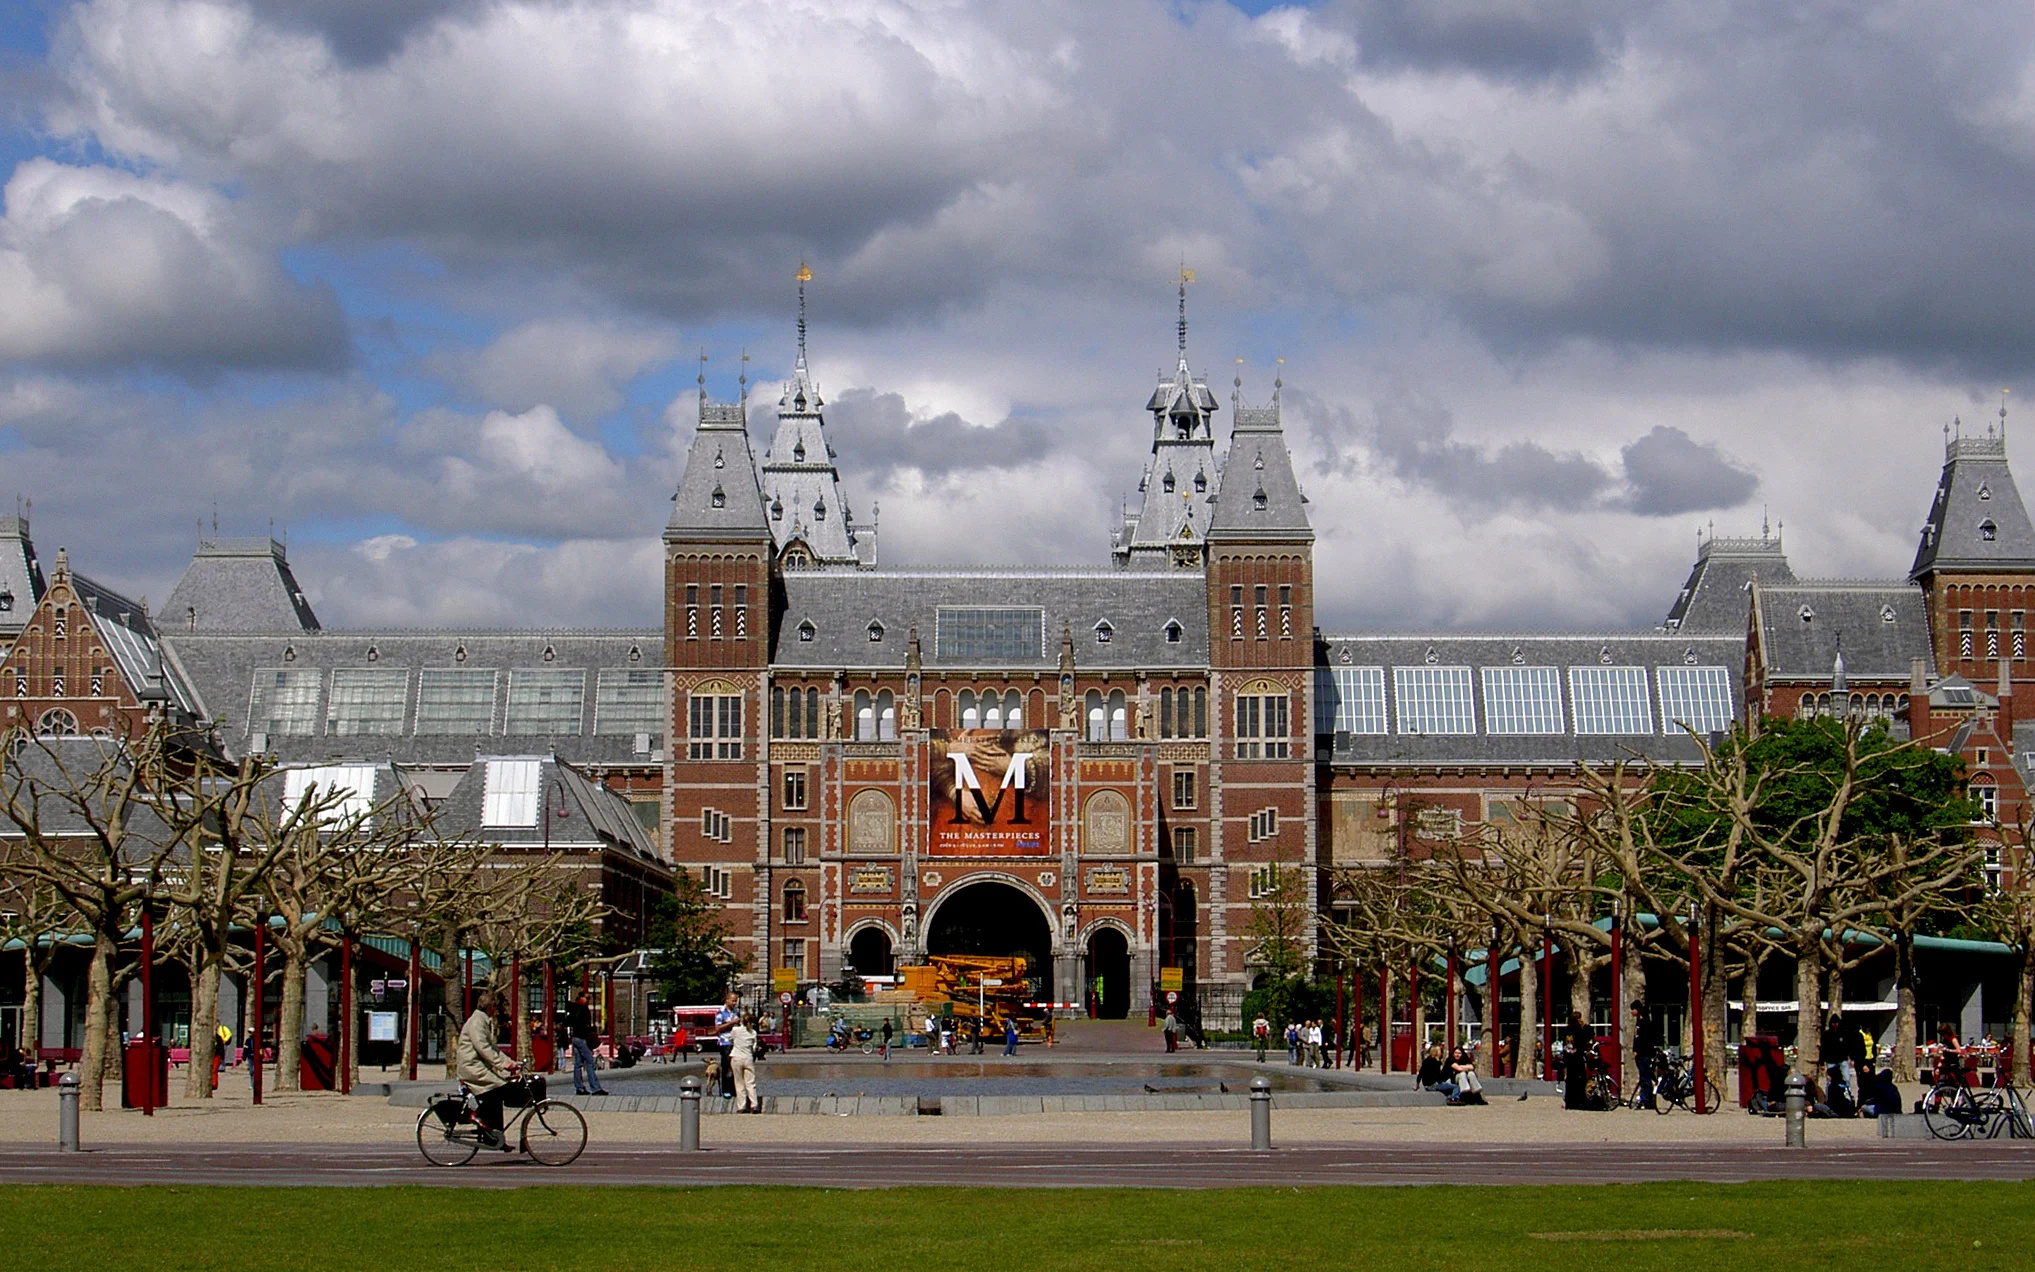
994, 918
869, 952
1109, 973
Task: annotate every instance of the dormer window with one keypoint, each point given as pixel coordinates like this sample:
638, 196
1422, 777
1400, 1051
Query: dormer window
1172, 632
1984, 491
875, 632
1987, 531
6, 600
819, 510
798, 453
1886, 613
720, 498
1201, 483
1104, 632
1166, 482
777, 510
1808, 615
718, 461
806, 631
1258, 500
635, 653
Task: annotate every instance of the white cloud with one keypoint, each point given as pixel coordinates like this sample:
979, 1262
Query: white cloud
576, 365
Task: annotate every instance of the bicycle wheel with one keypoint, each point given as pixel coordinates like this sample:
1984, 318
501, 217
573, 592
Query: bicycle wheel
1949, 1113
554, 1134
1713, 1096
443, 1138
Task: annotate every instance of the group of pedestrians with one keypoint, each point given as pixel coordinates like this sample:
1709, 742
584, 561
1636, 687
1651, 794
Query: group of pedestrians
1304, 1044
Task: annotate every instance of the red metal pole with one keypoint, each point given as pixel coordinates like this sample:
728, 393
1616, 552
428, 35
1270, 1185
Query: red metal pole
1696, 1014
1547, 991
1414, 1049
147, 1011
1356, 1020
346, 1014
516, 997
253, 1042
551, 1015
1339, 1018
1384, 1019
1618, 996
608, 1007
413, 1016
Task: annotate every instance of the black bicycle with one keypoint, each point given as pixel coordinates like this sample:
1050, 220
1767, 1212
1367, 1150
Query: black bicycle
1674, 1087
550, 1132
1955, 1111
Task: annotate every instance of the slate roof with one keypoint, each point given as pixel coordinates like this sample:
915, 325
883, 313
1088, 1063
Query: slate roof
222, 666
1714, 599
20, 574
1260, 497
134, 640
718, 497
1174, 509
801, 488
239, 585
592, 817
1137, 606
1884, 627
1977, 520
1536, 649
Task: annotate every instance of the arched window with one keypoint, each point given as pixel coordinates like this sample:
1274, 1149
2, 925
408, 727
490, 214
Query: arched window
1987, 797
1165, 713
1119, 717
865, 717
57, 723
1013, 709
1988, 531
970, 716
992, 711
1098, 720
794, 902
886, 717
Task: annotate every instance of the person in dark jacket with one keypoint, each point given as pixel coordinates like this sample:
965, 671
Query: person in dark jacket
579, 1029
1575, 1069
1646, 1041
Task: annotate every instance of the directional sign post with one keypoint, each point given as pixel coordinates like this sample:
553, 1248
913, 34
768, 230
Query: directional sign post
981, 998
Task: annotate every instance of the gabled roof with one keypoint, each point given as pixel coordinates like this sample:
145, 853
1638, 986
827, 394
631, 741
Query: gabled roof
1714, 598
1884, 627
1260, 497
239, 585
573, 813
21, 582
718, 497
1977, 521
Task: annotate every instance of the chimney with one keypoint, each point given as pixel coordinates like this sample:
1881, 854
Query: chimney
2006, 721
1918, 699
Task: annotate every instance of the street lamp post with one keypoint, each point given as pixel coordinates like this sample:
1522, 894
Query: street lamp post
1696, 1010
413, 1015
260, 975
1547, 990
346, 1011
148, 1001
1617, 993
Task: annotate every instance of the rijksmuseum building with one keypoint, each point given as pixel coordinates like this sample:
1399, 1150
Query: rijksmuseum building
1104, 766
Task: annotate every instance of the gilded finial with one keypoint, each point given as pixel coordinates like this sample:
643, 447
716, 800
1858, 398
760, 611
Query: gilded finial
1186, 277
804, 276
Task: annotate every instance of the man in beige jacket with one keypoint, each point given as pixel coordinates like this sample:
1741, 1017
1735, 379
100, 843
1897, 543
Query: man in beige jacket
482, 1068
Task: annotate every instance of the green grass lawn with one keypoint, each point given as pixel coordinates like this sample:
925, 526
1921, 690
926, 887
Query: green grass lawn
1626, 1228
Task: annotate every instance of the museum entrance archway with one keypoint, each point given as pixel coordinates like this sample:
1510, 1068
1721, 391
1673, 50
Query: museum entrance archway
1109, 973
869, 952
994, 918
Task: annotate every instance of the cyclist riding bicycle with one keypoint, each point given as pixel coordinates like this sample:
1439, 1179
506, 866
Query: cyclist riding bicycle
483, 1069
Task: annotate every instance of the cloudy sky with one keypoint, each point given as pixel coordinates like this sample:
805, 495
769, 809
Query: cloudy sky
1557, 282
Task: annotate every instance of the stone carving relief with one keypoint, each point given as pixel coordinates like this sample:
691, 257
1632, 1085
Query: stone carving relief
872, 823
1107, 823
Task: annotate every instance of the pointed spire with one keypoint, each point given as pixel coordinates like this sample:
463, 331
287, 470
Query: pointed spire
703, 375
804, 276
1838, 684
1186, 277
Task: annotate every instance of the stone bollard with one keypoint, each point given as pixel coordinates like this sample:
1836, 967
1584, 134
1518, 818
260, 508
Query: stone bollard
1261, 1113
67, 1113
689, 1115
1798, 1111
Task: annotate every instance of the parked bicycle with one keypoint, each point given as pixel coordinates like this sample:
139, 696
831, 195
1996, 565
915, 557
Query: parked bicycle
1674, 1086
550, 1132
1955, 1111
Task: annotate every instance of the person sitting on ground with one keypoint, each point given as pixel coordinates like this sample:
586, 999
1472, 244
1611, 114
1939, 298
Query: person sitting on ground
1434, 1074
482, 1068
1880, 1096
1838, 1095
1462, 1071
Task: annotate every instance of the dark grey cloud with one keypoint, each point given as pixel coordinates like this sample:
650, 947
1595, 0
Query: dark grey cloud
875, 434
1528, 40
361, 32
1669, 472
1415, 444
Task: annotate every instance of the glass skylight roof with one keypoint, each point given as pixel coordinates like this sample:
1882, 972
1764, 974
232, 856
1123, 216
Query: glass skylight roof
285, 701
629, 700
1699, 697
367, 701
1523, 700
455, 700
545, 700
990, 636
1350, 700
1611, 699
1434, 700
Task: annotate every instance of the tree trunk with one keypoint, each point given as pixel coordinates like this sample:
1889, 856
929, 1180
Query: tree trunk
31, 1003
2024, 990
1579, 962
290, 1023
1753, 967
1904, 1012
92, 1069
1808, 1012
1526, 1053
204, 1023
1716, 1003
